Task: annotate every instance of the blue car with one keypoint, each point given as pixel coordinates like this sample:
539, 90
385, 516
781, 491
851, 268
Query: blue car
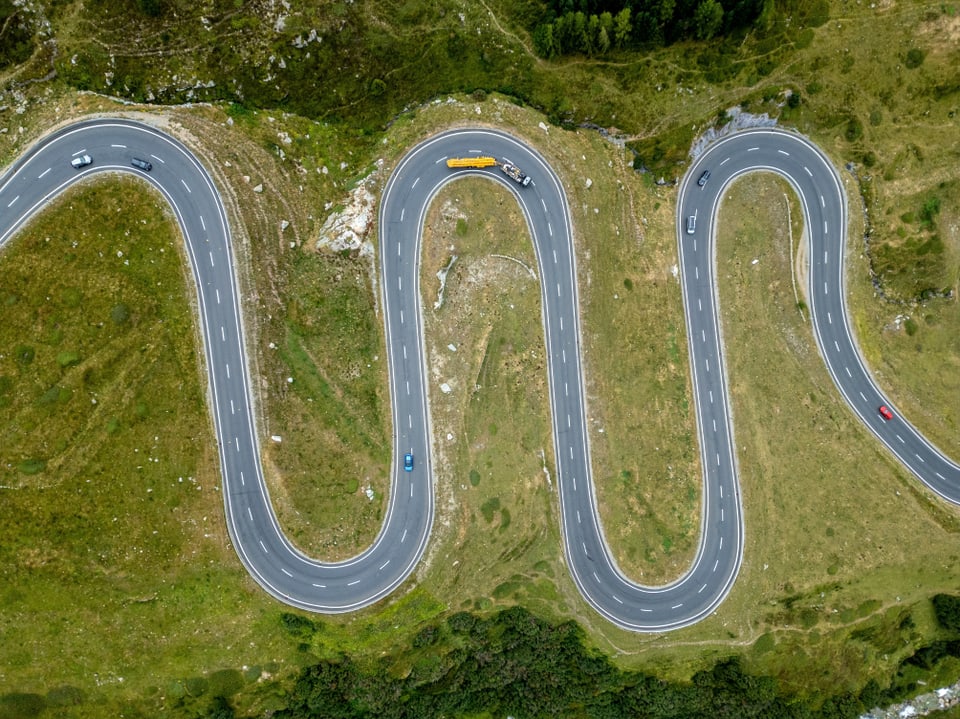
408, 462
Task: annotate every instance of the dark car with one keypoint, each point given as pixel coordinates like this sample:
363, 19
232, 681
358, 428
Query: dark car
703, 178
885, 412
81, 161
408, 462
142, 164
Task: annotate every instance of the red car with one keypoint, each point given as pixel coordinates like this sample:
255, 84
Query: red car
885, 412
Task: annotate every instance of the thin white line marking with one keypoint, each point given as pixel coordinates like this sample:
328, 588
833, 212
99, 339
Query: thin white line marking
186, 185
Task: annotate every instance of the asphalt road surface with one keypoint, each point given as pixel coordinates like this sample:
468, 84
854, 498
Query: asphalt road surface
301, 581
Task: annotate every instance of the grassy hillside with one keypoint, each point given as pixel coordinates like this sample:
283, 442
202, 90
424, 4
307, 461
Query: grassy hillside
843, 548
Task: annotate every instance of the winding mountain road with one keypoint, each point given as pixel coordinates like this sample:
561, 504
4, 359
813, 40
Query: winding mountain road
287, 574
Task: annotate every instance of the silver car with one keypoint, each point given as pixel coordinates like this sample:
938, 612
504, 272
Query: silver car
81, 161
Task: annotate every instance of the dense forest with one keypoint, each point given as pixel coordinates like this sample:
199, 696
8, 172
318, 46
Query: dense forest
594, 27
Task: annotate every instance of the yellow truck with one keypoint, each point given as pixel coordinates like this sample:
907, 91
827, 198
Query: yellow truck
456, 162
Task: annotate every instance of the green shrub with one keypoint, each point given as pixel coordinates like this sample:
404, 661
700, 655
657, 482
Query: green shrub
120, 314
854, 129
25, 355
32, 466
488, 508
298, 625
946, 607
68, 359
914, 58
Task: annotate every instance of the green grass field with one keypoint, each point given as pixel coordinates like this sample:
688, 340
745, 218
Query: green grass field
119, 583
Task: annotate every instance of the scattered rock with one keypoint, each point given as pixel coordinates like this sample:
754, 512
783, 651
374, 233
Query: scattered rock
258, 188
348, 229
276, 438
445, 388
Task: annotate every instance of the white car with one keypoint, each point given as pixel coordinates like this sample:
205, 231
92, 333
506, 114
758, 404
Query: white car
81, 161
